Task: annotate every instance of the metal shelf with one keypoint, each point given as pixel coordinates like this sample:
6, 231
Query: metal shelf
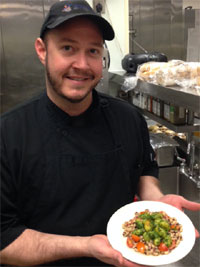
173, 95
175, 128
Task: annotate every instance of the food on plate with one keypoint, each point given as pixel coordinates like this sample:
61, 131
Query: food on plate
152, 233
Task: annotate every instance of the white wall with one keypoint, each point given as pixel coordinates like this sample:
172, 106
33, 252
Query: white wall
116, 12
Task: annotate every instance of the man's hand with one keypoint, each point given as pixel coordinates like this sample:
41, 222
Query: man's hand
100, 248
181, 203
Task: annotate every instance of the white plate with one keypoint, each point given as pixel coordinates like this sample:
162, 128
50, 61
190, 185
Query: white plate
127, 212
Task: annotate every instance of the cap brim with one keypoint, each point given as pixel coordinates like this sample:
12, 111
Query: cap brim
104, 26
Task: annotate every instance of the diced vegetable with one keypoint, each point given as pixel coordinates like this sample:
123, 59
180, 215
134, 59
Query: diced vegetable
157, 215
160, 231
139, 223
164, 224
175, 227
148, 226
173, 245
138, 232
141, 247
146, 236
135, 238
163, 247
129, 242
167, 240
145, 216
157, 241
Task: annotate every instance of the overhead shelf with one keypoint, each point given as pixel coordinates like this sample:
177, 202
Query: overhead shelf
173, 95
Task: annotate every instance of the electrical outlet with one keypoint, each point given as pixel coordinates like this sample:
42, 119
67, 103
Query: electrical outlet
99, 6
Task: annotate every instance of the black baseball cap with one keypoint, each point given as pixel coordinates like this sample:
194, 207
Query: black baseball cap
65, 10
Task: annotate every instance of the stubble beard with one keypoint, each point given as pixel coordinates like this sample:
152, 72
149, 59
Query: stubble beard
56, 87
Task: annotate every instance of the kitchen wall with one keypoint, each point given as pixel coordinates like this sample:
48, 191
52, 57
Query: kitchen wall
171, 27
116, 12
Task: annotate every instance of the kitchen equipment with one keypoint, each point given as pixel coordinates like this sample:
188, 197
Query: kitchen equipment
131, 61
164, 147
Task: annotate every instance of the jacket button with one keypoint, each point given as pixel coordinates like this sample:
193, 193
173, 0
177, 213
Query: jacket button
64, 132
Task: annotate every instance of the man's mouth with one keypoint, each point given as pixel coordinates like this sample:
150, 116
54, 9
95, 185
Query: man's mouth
79, 79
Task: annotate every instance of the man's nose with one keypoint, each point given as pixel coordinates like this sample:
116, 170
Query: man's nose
81, 61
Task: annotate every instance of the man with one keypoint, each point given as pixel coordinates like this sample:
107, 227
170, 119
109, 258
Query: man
71, 157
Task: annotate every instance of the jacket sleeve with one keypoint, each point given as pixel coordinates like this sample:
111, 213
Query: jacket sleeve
11, 226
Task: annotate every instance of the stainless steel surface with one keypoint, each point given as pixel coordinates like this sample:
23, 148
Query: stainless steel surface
22, 75
158, 25
103, 84
173, 95
165, 156
191, 168
172, 182
168, 177
175, 128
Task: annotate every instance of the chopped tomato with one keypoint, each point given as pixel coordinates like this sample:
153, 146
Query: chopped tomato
136, 238
129, 242
173, 245
142, 212
175, 227
163, 247
141, 247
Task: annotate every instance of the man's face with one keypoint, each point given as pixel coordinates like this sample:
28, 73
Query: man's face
73, 60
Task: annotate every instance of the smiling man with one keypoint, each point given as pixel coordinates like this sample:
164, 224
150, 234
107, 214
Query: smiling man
72, 56
72, 156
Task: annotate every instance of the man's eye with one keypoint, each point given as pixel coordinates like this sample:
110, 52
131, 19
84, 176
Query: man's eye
94, 51
67, 47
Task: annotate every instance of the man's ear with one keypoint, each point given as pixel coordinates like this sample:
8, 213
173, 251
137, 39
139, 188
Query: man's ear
40, 48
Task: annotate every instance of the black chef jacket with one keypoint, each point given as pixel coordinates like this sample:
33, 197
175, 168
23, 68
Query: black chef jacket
68, 175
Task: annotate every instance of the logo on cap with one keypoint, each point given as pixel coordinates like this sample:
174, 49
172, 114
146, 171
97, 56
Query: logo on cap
66, 8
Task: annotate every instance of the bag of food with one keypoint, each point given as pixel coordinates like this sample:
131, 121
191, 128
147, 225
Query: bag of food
147, 71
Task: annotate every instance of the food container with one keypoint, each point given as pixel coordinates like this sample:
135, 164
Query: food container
165, 156
164, 148
177, 115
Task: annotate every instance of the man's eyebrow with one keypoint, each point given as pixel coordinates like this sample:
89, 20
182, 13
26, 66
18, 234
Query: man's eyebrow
65, 39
